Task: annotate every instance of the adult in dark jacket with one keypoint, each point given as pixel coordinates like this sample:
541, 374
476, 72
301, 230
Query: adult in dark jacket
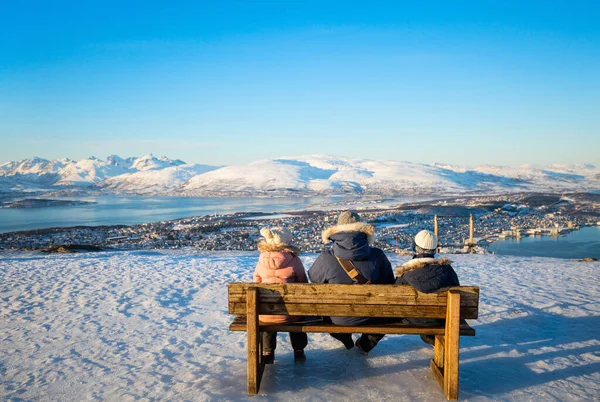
351, 239
426, 273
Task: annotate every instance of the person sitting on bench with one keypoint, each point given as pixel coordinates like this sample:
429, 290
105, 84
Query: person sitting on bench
279, 263
426, 274
352, 260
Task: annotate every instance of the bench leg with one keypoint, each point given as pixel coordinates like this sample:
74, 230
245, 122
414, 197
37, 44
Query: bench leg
255, 365
451, 345
438, 351
437, 363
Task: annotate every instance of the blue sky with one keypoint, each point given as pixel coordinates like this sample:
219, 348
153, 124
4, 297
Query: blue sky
467, 83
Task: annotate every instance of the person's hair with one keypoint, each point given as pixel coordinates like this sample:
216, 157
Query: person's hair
420, 250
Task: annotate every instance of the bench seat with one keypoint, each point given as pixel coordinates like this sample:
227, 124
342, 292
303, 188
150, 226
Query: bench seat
319, 325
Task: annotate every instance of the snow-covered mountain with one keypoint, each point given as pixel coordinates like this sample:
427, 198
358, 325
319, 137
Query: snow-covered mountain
159, 181
321, 174
87, 171
149, 162
36, 171
307, 175
39, 174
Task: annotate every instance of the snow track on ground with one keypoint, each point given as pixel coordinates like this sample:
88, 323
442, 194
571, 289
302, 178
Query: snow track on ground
152, 325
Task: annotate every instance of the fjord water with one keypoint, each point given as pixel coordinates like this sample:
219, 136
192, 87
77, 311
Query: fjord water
131, 210
578, 244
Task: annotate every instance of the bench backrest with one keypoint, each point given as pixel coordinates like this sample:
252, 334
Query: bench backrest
307, 299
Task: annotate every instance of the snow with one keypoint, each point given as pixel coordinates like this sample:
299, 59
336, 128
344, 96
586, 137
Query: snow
311, 175
540, 178
155, 181
327, 174
259, 175
149, 162
152, 325
30, 174
87, 171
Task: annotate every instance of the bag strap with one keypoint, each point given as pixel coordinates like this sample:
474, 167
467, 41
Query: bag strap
352, 271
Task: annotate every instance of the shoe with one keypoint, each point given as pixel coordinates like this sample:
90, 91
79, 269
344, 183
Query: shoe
428, 339
268, 358
348, 343
299, 356
360, 349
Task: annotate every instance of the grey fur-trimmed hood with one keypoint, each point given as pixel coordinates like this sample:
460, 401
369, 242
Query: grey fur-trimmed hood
362, 227
417, 263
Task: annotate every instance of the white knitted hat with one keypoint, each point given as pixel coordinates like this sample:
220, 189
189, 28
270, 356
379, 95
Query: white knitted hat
427, 240
277, 236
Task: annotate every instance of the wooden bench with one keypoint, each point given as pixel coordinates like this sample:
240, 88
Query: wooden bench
312, 301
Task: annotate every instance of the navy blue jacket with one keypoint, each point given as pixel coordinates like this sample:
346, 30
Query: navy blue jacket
427, 274
370, 261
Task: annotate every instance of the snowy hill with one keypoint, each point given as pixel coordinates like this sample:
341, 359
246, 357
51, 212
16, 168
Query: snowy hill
41, 174
305, 175
321, 174
86, 172
150, 162
153, 325
151, 182
36, 171
116, 160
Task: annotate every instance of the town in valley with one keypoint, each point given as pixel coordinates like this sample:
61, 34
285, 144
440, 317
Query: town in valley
464, 224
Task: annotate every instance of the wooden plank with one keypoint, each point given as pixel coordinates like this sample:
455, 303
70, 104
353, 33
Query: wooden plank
353, 310
253, 343
343, 294
239, 324
438, 351
327, 288
437, 373
431, 299
269, 296
334, 290
452, 345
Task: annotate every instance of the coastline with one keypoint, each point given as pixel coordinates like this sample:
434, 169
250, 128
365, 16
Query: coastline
493, 216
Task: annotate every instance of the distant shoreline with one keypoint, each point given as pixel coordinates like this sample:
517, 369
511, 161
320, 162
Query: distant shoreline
29, 203
493, 217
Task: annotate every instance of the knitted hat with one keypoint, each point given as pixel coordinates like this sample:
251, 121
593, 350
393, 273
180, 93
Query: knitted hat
427, 240
277, 236
347, 217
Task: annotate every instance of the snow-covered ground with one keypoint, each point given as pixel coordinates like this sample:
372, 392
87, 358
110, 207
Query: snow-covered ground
152, 325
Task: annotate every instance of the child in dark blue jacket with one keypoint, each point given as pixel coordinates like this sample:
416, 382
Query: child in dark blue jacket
426, 273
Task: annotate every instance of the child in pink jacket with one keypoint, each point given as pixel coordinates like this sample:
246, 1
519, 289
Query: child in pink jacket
279, 263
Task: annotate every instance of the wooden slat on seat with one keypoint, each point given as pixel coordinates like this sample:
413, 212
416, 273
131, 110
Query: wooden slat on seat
319, 325
351, 300
353, 310
349, 294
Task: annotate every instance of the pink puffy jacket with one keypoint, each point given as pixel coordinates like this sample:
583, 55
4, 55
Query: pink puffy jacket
279, 267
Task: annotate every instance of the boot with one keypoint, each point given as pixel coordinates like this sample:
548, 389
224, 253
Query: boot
299, 356
360, 349
268, 358
428, 339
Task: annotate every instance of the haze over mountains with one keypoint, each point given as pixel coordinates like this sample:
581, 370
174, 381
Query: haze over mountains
302, 175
